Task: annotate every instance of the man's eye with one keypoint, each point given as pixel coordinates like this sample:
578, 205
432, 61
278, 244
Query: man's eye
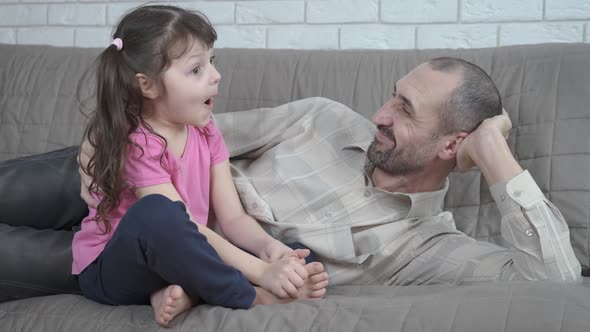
196, 70
212, 60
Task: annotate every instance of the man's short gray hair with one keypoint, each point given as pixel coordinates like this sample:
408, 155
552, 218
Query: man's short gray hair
474, 100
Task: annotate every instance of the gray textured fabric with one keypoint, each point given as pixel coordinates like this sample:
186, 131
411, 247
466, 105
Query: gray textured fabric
498, 307
546, 90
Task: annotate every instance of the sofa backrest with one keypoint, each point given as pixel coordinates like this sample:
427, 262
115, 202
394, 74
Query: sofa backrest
545, 88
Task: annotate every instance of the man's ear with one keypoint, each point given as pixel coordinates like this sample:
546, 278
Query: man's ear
149, 88
451, 146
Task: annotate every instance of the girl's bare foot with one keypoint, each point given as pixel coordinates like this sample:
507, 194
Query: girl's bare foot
316, 283
168, 303
265, 297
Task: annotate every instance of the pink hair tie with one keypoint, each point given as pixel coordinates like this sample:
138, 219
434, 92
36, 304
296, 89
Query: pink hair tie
118, 42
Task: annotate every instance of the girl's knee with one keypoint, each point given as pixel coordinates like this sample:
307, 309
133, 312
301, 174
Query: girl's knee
153, 211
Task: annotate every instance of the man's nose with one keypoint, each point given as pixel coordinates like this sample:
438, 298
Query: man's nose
383, 116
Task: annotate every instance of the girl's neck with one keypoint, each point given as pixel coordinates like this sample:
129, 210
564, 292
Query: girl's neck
175, 134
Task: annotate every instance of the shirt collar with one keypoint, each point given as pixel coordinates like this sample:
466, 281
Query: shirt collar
362, 145
422, 204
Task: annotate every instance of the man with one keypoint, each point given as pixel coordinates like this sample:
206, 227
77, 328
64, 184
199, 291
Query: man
369, 203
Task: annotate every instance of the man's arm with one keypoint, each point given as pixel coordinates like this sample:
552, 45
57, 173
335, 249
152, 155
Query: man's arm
486, 147
530, 223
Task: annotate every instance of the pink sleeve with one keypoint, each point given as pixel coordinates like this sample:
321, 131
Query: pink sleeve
146, 168
219, 152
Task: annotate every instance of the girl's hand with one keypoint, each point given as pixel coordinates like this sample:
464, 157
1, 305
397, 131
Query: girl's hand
284, 277
276, 250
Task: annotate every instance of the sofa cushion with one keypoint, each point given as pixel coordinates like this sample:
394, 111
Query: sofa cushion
514, 306
42, 191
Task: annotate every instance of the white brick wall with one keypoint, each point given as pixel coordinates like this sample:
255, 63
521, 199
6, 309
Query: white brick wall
377, 36
531, 33
502, 10
421, 11
317, 24
264, 12
339, 11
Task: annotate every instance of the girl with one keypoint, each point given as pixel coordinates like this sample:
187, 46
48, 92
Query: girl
158, 163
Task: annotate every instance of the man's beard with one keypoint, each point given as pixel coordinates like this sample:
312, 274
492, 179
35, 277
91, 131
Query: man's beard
398, 160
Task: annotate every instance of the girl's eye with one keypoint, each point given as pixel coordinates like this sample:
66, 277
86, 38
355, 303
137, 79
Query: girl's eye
196, 70
212, 60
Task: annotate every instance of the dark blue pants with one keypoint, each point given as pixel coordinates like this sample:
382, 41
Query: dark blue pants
157, 245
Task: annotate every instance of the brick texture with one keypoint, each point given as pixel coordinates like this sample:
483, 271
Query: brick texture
316, 24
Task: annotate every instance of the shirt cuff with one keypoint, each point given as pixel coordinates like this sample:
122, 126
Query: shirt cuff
520, 191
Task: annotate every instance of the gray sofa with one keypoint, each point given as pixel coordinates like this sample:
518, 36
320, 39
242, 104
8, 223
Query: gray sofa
546, 90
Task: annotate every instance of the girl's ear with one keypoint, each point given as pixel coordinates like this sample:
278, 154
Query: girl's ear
451, 146
148, 87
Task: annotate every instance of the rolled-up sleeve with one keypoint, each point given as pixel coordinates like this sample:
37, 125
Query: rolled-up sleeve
532, 225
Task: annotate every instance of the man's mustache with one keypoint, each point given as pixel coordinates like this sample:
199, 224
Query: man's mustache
387, 132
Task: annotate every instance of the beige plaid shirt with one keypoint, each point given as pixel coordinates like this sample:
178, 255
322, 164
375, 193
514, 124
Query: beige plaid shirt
299, 170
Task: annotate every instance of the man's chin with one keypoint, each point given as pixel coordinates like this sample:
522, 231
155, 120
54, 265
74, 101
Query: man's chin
381, 148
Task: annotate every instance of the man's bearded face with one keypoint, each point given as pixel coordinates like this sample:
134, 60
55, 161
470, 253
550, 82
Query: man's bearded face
399, 160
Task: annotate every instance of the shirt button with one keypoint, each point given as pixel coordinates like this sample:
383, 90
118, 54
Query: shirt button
329, 214
529, 232
367, 193
254, 205
502, 197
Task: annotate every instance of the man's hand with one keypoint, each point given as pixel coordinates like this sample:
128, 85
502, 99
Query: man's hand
481, 138
86, 152
486, 147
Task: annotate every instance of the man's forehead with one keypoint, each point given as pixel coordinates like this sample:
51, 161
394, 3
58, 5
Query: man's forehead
427, 85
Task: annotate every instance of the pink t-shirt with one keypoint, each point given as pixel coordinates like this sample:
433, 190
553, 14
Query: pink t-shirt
190, 175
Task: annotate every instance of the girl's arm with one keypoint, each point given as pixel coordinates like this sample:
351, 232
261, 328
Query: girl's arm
239, 227
282, 278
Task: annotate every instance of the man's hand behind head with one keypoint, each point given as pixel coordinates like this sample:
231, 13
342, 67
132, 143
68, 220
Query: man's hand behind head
481, 138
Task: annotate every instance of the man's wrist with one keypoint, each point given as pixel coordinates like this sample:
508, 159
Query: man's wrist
494, 158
